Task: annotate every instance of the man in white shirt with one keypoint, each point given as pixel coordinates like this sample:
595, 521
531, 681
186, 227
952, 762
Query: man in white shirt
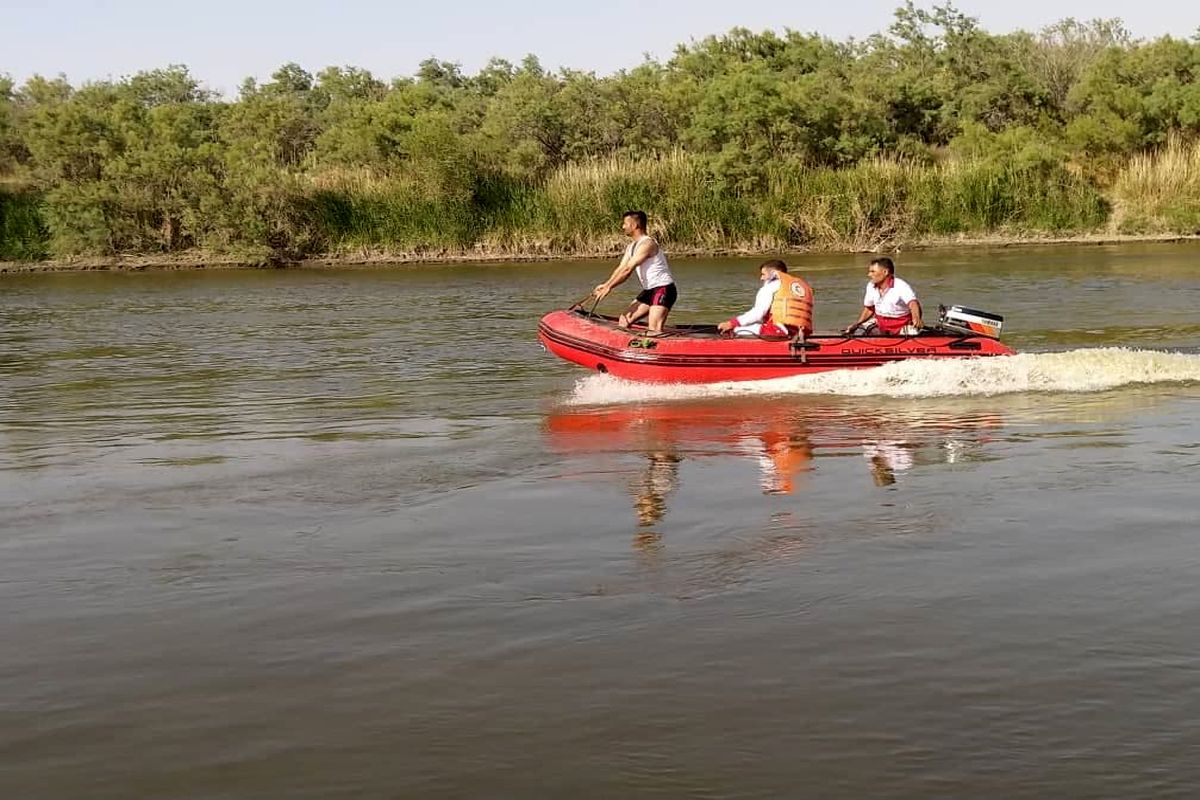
782, 307
891, 301
645, 257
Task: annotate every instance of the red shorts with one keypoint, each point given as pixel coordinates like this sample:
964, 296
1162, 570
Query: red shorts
892, 324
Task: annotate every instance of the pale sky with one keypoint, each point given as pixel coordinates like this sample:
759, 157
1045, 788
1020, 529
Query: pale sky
223, 41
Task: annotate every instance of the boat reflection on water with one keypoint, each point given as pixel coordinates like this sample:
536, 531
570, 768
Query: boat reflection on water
794, 450
783, 437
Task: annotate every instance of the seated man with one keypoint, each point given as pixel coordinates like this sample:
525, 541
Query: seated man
782, 307
891, 301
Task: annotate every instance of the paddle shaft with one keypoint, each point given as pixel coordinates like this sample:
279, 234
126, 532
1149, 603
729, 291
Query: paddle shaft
579, 303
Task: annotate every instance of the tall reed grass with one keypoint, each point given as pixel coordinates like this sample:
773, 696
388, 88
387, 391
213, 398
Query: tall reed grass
882, 201
576, 209
361, 209
1159, 191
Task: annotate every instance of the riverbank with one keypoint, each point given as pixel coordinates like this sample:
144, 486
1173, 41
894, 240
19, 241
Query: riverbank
450, 257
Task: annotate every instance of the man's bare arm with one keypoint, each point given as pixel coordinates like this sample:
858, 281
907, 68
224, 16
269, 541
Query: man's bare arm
914, 308
628, 264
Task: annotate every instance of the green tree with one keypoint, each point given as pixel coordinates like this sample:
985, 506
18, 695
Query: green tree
524, 124
8, 126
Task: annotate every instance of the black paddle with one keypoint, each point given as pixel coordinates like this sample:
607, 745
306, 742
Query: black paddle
578, 304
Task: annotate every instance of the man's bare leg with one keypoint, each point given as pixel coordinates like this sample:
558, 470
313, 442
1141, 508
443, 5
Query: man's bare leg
635, 312
658, 315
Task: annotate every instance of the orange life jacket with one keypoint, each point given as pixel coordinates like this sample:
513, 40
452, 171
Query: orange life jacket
792, 304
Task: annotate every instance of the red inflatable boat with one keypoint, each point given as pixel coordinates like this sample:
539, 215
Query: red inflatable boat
699, 354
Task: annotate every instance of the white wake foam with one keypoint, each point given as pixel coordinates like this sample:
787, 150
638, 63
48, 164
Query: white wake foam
1083, 370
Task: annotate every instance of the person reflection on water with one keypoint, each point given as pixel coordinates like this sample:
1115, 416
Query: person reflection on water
890, 300
786, 458
782, 453
782, 307
651, 487
885, 459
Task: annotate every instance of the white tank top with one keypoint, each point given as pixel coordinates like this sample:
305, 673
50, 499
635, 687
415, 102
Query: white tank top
654, 271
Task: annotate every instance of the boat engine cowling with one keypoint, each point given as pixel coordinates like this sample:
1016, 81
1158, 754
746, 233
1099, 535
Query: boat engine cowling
970, 321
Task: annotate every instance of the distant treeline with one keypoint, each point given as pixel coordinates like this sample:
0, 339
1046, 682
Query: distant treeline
759, 140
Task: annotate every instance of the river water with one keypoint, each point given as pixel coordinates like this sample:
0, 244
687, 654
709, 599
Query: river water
352, 533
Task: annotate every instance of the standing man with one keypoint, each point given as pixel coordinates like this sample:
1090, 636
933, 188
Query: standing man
891, 301
654, 273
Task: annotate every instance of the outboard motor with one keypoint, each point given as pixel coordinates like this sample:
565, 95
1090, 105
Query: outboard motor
969, 321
